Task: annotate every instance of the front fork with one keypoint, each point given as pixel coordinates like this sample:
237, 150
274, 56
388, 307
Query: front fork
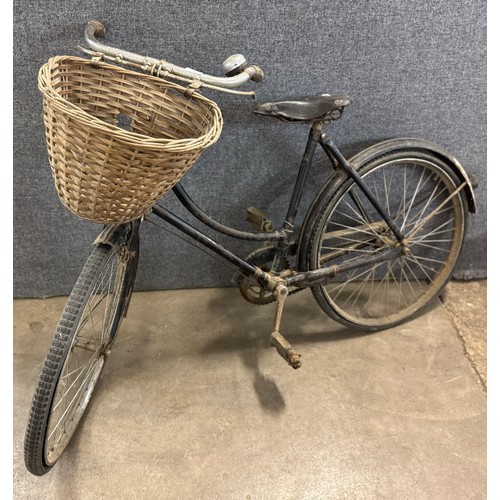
124, 237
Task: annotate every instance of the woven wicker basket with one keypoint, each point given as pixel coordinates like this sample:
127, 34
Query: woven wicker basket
119, 140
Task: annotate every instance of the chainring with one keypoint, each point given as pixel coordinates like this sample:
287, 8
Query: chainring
249, 288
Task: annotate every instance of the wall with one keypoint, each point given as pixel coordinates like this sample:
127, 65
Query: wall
411, 68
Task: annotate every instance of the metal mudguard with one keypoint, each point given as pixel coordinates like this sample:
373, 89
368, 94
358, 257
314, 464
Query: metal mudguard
116, 234
393, 145
113, 235
362, 158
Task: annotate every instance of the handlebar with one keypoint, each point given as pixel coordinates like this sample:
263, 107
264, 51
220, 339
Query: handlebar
95, 29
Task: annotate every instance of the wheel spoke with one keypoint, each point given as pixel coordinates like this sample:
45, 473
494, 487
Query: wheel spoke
415, 192
82, 386
420, 226
426, 245
407, 281
361, 287
437, 230
387, 190
361, 219
405, 263
422, 267
435, 215
355, 277
84, 360
418, 216
68, 389
422, 199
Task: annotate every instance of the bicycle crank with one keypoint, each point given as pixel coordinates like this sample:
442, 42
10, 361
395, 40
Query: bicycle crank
284, 348
252, 291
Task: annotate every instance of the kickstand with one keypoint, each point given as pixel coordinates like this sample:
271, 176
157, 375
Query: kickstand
284, 348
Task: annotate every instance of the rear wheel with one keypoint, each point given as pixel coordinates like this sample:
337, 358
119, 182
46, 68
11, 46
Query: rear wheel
79, 349
419, 192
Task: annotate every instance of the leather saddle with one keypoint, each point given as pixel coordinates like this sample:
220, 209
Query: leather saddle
325, 107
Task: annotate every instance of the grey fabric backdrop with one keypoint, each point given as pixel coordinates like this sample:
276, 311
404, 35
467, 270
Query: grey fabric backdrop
412, 68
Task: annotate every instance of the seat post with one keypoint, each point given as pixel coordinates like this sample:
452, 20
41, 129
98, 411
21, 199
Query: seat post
312, 142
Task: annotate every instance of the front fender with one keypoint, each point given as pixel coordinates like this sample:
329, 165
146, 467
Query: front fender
115, 235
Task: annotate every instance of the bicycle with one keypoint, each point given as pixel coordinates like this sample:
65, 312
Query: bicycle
376, 247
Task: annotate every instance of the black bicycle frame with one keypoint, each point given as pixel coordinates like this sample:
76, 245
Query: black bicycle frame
282, 237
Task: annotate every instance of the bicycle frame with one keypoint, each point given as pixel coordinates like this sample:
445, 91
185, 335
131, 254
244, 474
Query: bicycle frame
283, 237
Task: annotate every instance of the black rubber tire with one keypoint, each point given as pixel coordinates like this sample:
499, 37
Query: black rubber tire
64, 342
331, 205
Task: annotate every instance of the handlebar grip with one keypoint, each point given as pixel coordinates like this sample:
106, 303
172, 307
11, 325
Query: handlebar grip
95, 28
257, 74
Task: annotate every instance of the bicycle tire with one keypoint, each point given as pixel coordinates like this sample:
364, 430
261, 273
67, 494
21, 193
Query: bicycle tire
356, 230
42, 449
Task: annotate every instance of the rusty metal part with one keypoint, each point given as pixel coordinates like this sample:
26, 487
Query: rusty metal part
95, 30
252, 291
284, 348
322, 275
332, 151
113, 235
256, 73
281, 293
164, 71
259, 220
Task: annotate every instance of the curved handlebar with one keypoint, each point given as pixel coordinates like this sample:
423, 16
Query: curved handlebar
95, 29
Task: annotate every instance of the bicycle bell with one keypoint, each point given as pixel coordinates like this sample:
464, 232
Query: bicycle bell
234, 64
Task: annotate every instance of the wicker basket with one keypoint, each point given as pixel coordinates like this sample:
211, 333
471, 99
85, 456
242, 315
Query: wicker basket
119, 140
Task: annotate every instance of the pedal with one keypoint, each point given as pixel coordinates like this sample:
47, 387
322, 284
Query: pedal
259, 220
285, 350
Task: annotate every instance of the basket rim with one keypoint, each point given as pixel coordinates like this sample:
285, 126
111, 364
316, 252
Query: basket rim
132, 138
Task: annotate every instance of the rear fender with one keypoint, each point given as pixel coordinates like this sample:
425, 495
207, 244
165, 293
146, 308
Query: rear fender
393, 145
361, 159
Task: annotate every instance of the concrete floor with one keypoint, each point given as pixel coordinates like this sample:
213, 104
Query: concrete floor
194, 404
466, 303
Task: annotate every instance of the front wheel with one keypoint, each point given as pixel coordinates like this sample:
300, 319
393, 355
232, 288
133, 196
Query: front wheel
79, 349
419, 192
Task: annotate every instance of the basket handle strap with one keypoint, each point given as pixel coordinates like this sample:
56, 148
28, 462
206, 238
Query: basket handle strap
96, 59
192, 88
